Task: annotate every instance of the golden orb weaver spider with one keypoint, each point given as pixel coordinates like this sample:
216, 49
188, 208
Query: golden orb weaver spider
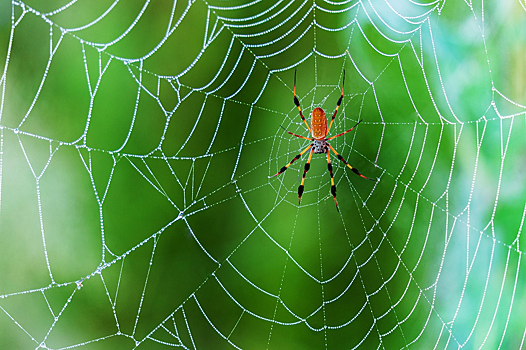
319, 130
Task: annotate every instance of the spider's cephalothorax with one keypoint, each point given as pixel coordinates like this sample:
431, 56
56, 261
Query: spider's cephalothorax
320, 146
319, 130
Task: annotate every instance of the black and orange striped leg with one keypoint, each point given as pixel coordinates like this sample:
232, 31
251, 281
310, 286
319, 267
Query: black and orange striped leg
293, 160
354, 170
337, 104
345, 132
333, 186
307, 167
293, 134
297, 103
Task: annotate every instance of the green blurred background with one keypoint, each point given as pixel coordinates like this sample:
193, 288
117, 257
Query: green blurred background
137, 141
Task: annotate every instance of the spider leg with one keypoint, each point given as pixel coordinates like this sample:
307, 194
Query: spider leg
307, 167
350, 167
345, 132
337, 104
292, 161
297, 103
293, 134
333, 186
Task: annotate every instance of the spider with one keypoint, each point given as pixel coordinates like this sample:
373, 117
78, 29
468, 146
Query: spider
318, 129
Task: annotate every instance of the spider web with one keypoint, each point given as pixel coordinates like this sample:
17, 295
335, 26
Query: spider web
136, 144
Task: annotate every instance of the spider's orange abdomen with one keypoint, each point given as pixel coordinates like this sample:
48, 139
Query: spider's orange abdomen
318, 124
